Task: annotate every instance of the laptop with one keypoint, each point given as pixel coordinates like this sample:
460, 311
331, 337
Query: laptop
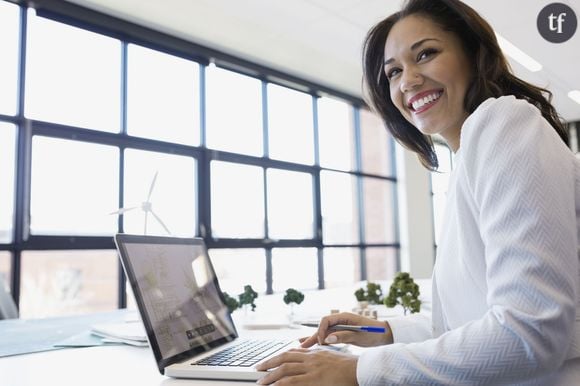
189, 328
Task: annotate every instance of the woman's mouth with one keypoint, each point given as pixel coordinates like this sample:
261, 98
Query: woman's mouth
424, 101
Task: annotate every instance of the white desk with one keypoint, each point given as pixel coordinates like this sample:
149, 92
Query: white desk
94, 366
127, 366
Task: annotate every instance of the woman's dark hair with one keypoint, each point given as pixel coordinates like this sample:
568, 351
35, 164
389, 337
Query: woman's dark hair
492, 76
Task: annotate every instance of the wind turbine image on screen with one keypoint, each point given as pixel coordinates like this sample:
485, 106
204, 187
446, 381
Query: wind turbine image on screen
147, 207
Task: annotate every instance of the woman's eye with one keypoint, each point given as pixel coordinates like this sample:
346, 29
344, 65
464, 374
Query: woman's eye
426, 53
393, 72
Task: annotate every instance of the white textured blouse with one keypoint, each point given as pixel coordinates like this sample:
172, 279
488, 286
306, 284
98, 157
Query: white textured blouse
506, 282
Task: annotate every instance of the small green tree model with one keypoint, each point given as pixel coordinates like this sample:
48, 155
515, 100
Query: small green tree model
371, 294
374, 293
248, 297
231, 303
360, 295
293, 296
405, 292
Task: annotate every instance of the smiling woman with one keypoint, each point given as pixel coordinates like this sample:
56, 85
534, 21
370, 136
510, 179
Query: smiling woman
430, 50
428, 73
506, 278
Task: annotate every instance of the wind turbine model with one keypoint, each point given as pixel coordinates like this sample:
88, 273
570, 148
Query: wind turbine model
146, 206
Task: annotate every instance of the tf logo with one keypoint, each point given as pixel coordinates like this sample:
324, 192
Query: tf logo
557, 22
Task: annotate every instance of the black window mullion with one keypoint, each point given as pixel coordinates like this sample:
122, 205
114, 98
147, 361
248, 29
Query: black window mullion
266, 154
265, 123
204, 196
316, 185
203, 186
23, 156
202, 106
121, 288
122, 293
395, 203
269, 271
316, 175
320, 260
360, 192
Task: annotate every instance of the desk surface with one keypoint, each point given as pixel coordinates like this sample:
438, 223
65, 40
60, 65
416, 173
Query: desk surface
103, 366
127, 365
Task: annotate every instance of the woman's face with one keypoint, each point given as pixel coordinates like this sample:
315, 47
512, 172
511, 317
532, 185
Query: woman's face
428, 73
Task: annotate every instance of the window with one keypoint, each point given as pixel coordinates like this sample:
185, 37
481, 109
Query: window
339, 209
163, 96
379, 211
7, 168
234, 112
74, 187
9, 24
5, 264
289, 186
290, 125
376, 145
335, 130
290, 205
294, 268
167, 182
237, 206
72, 76
236, 268
341, 266
381, 263
58, 283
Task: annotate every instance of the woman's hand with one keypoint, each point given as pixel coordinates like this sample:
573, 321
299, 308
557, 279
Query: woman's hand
325, 335
310, 367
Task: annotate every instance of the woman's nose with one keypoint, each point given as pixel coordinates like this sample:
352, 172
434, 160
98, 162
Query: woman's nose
411, 79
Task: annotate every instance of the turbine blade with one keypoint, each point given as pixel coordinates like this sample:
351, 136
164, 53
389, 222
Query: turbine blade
161, 222
123, 210
152, 186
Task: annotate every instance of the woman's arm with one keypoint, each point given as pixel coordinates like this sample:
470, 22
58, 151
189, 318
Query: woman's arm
522, 179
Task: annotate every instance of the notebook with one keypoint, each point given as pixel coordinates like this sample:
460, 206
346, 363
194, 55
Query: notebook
188, 326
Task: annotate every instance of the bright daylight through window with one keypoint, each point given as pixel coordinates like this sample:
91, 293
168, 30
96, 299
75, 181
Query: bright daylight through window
122, 134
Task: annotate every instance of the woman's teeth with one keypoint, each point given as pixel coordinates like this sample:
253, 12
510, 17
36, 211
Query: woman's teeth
423, 101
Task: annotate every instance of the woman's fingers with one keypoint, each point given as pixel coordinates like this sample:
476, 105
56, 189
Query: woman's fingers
294, 355
309, 341
310, 367
282, 371
341, 337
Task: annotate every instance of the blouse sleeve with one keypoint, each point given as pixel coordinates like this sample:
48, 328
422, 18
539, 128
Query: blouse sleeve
521, 177
412, 328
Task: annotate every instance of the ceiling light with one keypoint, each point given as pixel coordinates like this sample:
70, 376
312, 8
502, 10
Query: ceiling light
518, 55
575, 96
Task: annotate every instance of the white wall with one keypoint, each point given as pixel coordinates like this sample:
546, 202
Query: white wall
415, 215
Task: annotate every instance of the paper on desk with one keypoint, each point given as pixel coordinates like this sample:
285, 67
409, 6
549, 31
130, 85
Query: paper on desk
132, 333
84, 339
130, 342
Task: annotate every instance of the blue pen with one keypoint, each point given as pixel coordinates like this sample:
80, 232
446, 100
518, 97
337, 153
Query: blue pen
346, 327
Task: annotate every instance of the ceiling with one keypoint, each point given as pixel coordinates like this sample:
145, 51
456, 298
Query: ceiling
320, 40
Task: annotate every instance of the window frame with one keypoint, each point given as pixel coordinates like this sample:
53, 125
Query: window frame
129, 33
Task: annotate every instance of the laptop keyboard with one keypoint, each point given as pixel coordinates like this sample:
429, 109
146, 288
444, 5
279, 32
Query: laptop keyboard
243, 354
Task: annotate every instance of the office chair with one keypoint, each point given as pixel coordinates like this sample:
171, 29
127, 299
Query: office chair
8, 309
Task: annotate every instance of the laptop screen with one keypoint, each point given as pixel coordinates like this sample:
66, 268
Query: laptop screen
178, 295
